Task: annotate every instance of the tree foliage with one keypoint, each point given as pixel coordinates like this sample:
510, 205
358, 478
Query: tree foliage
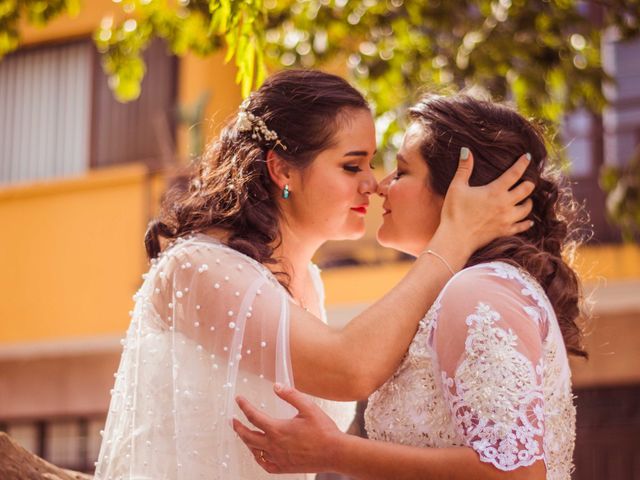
36, 12
197, 26
544, 55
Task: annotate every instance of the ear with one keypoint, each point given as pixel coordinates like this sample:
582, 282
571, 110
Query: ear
279, 170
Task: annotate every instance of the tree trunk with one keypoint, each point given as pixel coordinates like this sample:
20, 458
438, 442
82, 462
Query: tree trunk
16, 463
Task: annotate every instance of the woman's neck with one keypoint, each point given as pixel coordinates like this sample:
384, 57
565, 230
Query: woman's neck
294, 254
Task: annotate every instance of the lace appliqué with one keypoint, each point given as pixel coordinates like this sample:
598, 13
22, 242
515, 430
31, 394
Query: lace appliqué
560, 416
530, 287
413, 406
409, 408
496, 395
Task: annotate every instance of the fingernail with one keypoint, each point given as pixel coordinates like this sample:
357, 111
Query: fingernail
531, 223
528, 155
277, 387
464, 153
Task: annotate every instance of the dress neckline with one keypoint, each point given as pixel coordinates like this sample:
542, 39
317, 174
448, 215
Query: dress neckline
311, 267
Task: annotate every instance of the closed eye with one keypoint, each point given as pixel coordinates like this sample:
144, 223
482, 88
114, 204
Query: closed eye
356, 168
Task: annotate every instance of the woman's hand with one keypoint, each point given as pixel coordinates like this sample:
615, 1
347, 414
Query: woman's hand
474, 216
303, 444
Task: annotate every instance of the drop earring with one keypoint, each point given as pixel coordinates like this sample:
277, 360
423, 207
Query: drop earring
285, 191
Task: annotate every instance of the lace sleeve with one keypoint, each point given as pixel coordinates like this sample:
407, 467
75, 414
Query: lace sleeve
488, 342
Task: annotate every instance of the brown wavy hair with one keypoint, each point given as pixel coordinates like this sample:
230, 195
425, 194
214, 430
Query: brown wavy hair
230, 188
497, 135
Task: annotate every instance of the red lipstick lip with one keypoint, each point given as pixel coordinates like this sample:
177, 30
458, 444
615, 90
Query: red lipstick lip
361, 209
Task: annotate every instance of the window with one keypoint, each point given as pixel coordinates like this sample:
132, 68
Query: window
622, 117
44, 112
58, 116
72, 443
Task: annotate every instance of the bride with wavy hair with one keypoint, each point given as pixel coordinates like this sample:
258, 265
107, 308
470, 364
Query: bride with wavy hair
484, 391
232, 303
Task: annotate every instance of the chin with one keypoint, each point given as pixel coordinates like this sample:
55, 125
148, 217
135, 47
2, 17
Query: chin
353, 234
351, 231
388, 241
385, 240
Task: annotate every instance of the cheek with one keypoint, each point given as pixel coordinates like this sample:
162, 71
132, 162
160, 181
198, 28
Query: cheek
416, 210
328, 198
431, 213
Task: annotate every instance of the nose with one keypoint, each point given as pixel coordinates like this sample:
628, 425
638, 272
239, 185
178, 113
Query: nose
383, 186
368, 185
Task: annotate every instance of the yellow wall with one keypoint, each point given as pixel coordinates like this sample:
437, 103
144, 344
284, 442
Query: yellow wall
71, 254
364, 284
198, 75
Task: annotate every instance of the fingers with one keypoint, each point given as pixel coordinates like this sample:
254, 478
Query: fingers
294, 397
261, 459
521, 227
509, 178
261, 420
521, 192
465, 167
250, 437
522, 211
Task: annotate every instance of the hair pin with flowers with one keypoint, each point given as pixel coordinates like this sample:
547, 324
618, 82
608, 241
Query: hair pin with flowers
247, 121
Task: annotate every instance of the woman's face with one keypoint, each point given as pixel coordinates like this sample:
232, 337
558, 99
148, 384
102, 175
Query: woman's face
411, 209
329, 199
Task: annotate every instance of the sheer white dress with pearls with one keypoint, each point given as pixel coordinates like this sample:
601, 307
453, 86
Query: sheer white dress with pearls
488, 370
209, 323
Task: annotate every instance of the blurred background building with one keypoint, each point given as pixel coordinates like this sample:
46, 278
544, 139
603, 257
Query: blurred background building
81, 175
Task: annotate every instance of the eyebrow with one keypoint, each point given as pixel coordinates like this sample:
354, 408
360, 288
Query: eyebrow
400, 158
358, 153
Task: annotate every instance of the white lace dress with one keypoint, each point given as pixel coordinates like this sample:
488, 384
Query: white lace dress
209, 323
488, 370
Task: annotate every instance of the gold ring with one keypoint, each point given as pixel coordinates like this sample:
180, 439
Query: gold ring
262, 455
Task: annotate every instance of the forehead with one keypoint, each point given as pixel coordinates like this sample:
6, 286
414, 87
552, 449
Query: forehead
356, 129
413, 138
414, 135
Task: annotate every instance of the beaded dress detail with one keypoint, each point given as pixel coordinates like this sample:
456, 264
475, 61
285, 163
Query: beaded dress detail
209, 323
487, 369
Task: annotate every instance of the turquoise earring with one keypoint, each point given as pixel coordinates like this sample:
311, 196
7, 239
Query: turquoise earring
285, 192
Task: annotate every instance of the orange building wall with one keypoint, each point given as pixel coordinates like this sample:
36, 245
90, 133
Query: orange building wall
71, 254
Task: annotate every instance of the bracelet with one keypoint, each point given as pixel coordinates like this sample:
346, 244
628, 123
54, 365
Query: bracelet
437, 255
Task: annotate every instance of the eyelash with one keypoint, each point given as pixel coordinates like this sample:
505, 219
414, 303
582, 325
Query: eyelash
398, 174
356, 169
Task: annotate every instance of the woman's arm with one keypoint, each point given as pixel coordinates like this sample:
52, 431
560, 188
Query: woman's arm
373, 460
352, 362
310, 442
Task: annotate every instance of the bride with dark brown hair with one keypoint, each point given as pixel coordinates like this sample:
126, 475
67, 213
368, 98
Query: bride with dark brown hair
485, 389
233, 303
